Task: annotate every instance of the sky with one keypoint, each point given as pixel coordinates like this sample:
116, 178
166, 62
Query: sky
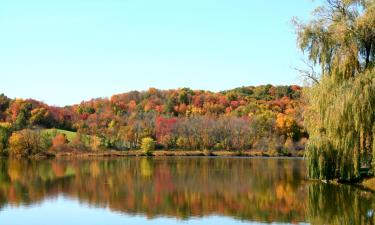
65, 51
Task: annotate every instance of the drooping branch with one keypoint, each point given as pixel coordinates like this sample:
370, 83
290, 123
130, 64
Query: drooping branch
308, 74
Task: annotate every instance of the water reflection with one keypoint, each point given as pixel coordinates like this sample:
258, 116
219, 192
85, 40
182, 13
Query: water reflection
264, 190
329, 204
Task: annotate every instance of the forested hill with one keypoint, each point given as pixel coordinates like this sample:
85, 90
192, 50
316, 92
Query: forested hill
261, 117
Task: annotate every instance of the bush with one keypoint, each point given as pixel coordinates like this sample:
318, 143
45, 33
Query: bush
79, 142
181, 142
207, 152
46, 140
219, 146
95, 143
27, 143
148, 145
289, 145
59, 142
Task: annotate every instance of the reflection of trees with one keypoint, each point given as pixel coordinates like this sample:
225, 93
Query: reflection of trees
249, 189
330, 204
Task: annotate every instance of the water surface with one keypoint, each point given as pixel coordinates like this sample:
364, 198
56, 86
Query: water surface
191, 190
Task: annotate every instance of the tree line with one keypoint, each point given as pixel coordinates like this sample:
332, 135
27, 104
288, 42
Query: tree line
263, 117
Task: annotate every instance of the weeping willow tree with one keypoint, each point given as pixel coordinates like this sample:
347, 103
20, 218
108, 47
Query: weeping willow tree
340, 116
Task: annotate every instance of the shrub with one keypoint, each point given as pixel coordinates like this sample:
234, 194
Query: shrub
46, 140
219, 146
207, 152
148, 145
289, 145
181, 142
59, 142
96, 143
78, 142
27, 143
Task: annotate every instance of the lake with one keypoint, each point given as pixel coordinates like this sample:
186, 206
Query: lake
190, 190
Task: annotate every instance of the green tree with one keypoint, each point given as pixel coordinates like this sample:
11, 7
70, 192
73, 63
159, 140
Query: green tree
4, 102
21, 121
4, 136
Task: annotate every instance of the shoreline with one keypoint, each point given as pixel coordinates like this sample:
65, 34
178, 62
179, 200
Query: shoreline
168, 153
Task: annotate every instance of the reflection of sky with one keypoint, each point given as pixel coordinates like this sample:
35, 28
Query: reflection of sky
66, 211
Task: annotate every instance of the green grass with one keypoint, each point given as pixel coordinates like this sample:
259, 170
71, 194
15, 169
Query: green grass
70, 135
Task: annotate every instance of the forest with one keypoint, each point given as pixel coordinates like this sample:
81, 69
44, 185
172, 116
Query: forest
264, 118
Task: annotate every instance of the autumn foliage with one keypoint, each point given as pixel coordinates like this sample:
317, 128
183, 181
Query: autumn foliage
261, 117
59, 141
27, 143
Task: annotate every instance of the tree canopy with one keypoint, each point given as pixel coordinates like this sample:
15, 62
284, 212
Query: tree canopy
341, 37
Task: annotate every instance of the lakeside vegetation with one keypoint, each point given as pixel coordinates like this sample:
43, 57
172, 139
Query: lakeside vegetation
264, 118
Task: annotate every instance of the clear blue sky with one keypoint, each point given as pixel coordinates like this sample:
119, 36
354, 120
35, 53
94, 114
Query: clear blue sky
65, 51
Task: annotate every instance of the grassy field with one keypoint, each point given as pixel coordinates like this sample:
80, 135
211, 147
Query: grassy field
70, 135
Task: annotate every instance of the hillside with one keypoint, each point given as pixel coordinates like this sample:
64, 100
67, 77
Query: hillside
263, 117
